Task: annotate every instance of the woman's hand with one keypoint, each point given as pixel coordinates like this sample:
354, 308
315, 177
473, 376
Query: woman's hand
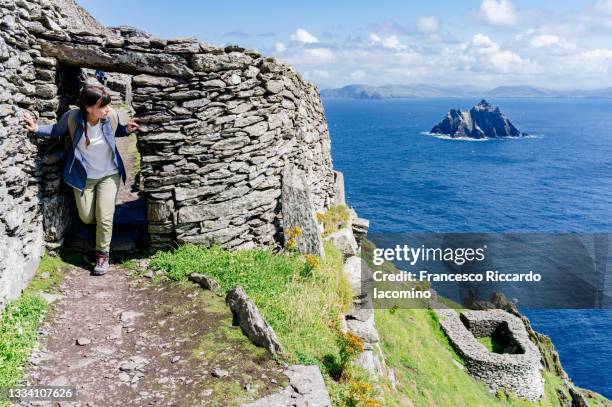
132, 125
30, 123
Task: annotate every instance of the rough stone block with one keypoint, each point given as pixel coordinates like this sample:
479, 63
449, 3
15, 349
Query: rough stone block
252, 323
298, 211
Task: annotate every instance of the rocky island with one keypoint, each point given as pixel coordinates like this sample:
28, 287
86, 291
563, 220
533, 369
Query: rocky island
482, 121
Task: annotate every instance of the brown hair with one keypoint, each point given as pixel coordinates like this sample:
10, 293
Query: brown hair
89, 96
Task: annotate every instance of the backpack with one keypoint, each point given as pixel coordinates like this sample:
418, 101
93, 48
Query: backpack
114, 118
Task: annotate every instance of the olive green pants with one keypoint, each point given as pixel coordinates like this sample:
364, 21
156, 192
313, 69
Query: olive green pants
97, 205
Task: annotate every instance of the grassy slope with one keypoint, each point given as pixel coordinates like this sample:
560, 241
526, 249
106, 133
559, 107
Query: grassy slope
429, 372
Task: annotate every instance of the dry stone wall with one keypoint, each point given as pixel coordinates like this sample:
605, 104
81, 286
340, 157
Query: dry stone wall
33, 206
218, 126
518, 373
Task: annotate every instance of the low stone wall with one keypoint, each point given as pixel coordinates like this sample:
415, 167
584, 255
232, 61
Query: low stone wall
518, 373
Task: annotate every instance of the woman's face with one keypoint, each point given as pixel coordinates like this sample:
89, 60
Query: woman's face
97, 112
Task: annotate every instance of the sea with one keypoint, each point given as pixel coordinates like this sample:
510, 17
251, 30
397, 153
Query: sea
557, 180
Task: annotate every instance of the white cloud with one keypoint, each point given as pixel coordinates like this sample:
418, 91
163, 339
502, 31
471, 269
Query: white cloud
498, 12
391, 42
428, 25
595, 61
301, 35
481, 40
318, 55
280, 47
482, 54
604, 6
320, 73
550, 40
534, 53
358, 74
375, 38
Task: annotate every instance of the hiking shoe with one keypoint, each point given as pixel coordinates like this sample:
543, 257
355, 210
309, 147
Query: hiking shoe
101, 263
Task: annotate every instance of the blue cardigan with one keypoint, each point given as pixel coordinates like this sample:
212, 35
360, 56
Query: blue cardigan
75, 174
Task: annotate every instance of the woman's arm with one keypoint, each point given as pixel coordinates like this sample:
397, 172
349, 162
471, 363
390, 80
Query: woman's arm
123, 131
47, 130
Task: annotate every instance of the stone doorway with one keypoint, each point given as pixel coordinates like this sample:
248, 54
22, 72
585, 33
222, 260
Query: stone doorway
130, 224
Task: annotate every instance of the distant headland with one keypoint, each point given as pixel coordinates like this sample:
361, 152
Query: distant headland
359, 91
482, 121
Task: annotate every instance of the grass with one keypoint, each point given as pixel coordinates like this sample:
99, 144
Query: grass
334, 218
48, 276
487, 341
428, 370
495, 344
301, 303
18, 332
21, 318
302, 299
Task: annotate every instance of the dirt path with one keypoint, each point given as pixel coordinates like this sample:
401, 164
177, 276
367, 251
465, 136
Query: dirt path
125, 340
147, 343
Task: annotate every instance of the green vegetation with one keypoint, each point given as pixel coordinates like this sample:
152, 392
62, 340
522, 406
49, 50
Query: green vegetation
429, 372
302, 303
49, 274
18, 331
496, 344
427, 369
20, 320
301, 297
487, 341
335, 218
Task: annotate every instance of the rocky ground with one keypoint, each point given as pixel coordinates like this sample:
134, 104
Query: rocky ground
127, 341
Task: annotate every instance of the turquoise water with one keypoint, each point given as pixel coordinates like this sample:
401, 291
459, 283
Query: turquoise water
558, 180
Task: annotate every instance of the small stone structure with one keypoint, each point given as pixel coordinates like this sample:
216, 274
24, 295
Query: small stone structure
218, 127
517, 372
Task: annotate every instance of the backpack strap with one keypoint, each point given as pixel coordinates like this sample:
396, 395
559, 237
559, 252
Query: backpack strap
72, 121
114, 118
72, 124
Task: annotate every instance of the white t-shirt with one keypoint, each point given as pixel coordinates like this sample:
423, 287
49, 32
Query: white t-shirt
97, 157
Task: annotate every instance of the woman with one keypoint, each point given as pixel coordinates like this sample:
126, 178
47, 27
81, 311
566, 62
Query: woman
93, 166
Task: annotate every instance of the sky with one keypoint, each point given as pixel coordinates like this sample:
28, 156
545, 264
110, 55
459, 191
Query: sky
557, 44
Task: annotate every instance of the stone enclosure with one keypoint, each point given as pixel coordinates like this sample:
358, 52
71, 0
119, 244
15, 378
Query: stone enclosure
514, 368
218, 128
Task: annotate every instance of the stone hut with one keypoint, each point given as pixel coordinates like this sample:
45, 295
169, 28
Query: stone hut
516, 368
218, 126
